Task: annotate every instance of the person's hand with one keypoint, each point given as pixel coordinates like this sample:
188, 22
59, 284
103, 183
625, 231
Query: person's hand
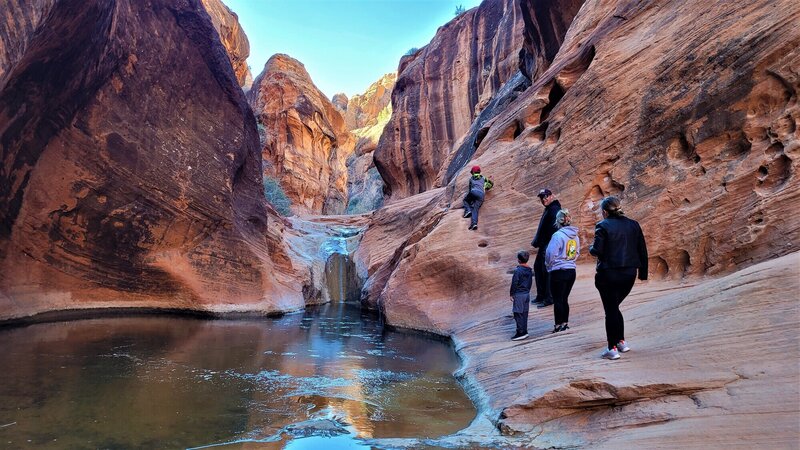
512, 298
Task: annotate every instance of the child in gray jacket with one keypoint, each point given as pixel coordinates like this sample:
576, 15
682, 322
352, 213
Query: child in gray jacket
562, 251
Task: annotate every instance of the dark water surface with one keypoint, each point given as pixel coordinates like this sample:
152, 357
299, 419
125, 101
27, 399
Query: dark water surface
327, 378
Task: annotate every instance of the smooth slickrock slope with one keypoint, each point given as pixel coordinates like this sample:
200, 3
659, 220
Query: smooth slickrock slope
444, 86
226, 22
689, 113
120, 186
306, 143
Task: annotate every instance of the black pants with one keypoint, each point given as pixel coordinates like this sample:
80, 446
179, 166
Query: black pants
543, 294
472, 203
614, 285
561, 282
520, 309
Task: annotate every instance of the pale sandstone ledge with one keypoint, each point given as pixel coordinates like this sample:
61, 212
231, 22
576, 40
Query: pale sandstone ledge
713, 364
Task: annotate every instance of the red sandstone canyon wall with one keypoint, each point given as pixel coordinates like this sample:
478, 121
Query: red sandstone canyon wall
442, 88
226, 22
692, 119
131, 170
306, 142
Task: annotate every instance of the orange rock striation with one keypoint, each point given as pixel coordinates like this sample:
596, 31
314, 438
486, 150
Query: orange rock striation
457, 79
120, 186
689, 113
305, 143
226, 22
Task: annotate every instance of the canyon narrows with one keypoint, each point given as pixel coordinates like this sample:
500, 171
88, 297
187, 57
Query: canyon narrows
135, 170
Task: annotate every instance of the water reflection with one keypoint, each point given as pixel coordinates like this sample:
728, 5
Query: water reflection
162, 382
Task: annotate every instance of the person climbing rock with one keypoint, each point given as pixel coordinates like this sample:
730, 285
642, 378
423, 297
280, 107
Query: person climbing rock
562, 252
478, 185
521, 284
621, 250
543, 234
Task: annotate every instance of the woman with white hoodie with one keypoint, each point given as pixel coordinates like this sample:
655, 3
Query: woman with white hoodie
562, 251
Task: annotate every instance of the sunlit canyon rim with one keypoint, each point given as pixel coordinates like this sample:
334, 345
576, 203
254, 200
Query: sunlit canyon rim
134, 169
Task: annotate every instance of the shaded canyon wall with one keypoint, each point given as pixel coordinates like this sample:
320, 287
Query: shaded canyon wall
444, 86
120, 186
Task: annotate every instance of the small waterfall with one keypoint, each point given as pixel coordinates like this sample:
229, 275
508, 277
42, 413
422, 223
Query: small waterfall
341, 277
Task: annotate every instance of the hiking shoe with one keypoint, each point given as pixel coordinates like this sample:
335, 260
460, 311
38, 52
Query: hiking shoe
611, 353
564, 327
519, 337
467, 214
556, 329
537, 302
544, 305
473, 227
623, 347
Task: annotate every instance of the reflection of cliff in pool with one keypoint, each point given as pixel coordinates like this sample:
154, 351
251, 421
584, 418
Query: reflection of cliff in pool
165, 382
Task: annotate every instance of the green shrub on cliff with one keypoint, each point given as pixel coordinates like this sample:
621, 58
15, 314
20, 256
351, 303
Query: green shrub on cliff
276, 196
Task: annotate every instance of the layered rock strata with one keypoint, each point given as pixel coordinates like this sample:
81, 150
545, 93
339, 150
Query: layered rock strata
442, 88
306, 142
226, 22
366, 116
695, 128
120, 186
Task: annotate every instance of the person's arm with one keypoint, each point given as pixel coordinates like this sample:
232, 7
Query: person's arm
642, 250
599, 243
514, 282
553, 249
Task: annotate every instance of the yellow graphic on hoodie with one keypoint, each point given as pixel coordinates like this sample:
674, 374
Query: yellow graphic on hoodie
572, 249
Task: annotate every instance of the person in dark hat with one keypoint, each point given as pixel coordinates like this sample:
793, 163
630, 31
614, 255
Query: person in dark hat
478, 185
543, 234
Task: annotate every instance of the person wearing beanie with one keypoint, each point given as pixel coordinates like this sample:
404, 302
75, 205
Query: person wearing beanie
621, 251
562, 252
478, 185
543, 234
521, 284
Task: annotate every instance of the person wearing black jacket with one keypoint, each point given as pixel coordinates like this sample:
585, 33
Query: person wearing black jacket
621, 250
520, 295
543, 234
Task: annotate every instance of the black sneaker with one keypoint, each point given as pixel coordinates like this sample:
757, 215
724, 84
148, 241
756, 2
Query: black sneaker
467, 214
557, 328
544, 305
473, 227
519, 337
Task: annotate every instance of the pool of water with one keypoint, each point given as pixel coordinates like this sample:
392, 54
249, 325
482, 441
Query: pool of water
326, 378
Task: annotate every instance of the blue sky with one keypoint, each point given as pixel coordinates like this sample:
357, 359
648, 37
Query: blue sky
346, 45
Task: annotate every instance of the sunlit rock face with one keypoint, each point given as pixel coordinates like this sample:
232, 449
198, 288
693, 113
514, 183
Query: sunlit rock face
443, 87
697, 135
226, 22
131, 171
366, 116
306, 142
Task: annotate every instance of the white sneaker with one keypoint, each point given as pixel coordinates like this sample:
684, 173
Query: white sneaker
610, 353
623, 347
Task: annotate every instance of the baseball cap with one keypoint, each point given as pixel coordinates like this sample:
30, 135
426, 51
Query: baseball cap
544, 193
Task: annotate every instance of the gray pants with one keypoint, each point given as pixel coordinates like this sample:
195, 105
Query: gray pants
472, 203
522, 302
